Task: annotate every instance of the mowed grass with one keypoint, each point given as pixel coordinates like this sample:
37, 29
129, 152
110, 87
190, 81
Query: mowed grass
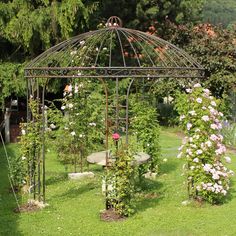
74, 206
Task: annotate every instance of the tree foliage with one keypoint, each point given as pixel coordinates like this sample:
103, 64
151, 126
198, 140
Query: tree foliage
143, 13
37, 25
220, 12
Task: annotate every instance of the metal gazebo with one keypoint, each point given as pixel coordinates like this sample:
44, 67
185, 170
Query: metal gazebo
111, 53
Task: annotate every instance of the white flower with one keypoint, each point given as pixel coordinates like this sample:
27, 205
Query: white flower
208, 143
73, 133
94, 124
179, 155
198, 188
228, 159
76, 88
164, 160
189, 151
215, 176
204, 108
196, 160
70, 105
192, 167
199, 152
73, 53
197, 85
23, 158
224, 192
181, 147
220, 114
189, 125
197, 130
181, 117
81, 135
82, 42
63, 107
23, 132
189, 90
193, 113
213, 103
207, 167
199, 100
205, 118
52, 126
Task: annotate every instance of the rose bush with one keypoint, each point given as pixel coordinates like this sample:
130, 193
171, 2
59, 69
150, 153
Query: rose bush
203, 147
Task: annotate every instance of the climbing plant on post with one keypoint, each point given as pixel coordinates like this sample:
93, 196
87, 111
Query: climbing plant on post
208, 179
145, 127
30, 149
120, 179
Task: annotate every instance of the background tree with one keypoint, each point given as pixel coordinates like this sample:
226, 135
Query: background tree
220, 12
141, 14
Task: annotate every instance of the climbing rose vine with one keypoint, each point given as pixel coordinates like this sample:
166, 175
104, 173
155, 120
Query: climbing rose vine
203, 147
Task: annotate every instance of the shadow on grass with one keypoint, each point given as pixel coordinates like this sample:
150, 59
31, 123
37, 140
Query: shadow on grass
56, 177
231, 193
8, 219
150, 194
78, 190
169, 166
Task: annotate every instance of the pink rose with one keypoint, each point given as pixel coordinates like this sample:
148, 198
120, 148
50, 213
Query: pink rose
115, 136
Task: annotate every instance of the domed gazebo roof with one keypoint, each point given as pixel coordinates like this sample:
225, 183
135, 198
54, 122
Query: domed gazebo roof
114, 51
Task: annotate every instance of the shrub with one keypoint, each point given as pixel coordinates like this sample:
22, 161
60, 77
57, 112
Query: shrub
203, 150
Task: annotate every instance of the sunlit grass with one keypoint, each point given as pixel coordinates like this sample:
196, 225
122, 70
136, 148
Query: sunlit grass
74, 206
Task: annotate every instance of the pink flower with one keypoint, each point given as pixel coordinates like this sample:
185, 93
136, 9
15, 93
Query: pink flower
214, 126
70, 88
220, 150
207, 91
115, 136
213, 137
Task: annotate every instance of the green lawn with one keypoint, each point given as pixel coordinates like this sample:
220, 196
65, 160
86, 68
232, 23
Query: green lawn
74, 206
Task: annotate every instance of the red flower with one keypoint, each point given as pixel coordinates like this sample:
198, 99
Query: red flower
115, 136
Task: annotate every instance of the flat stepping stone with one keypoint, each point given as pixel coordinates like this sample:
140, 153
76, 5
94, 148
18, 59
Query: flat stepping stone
100, 158
83, 175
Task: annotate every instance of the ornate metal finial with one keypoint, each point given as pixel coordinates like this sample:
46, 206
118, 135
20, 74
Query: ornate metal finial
114, 21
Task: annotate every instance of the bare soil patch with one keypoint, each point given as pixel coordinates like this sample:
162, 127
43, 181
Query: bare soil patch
111, 215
